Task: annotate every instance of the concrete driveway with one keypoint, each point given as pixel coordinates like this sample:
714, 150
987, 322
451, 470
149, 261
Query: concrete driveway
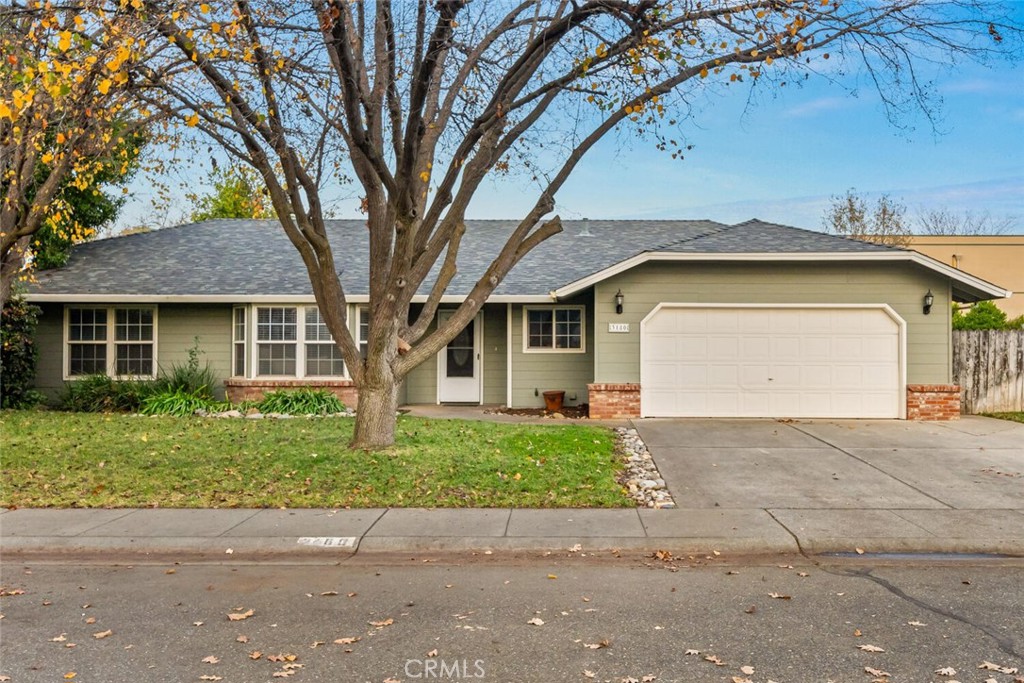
867, 479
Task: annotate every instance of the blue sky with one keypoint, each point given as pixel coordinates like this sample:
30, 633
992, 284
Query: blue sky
782, 158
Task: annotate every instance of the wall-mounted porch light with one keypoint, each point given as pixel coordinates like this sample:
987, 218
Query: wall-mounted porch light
929, 299
619, 298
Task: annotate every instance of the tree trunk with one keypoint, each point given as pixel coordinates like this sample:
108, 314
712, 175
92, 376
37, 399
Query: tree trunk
376, 415
10, 268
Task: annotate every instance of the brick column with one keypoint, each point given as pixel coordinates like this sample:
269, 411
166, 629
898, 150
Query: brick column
933, 402
614, 401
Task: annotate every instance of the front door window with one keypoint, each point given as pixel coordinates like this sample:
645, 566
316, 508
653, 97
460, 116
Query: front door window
460, 353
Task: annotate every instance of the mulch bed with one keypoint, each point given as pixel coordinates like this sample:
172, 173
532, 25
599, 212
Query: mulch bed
580, 412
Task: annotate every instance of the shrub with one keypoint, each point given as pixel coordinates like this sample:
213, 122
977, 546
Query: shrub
18, 354
301, 402
101, 394
985, 315
189, 378
179, 403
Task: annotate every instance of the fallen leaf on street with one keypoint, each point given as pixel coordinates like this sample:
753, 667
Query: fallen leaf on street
242, 639
598, 645
59, 639
210, 678
916, 623
91, 620
714, 660
255, 654
946, 671
211, 660
241, 616
860, 551
347, 641
748, 670
552, 576
589, 674
870, 648
69, 675
329, 593
102, 634
283, 674
536, 621
741, 679
780, 596
382, 624
282, 658
877, 673
691, 652
432, 653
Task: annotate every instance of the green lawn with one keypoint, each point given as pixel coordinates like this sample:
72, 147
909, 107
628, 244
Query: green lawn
54, 459
1016, 417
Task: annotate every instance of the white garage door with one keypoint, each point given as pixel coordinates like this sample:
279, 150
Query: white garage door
770, 362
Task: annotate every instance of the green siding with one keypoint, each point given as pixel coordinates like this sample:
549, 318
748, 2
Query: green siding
180, 326
49, 342
421, 383
535, 373
902, 286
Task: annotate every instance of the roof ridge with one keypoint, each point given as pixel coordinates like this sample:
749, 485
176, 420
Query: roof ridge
819, 232
719, 227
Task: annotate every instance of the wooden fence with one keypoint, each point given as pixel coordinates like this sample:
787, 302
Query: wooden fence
989, 367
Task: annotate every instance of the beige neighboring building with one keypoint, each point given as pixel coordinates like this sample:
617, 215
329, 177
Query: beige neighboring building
999, 259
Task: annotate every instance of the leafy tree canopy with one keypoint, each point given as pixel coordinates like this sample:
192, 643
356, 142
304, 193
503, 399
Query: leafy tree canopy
238, 192
985, 315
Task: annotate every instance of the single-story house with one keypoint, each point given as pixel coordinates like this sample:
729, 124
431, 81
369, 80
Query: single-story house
996, 258
635, 318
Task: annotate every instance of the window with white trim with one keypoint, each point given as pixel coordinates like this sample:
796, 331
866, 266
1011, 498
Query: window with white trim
363, 335
553, 329
238, 336
286, 348
129, 350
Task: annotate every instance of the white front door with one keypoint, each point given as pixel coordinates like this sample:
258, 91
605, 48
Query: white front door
458, 364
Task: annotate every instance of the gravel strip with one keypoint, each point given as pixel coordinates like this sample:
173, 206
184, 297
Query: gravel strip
641, 477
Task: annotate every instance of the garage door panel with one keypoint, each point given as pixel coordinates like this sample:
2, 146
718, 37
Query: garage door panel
771, 362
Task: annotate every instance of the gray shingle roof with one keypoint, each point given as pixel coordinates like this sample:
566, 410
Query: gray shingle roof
253, 257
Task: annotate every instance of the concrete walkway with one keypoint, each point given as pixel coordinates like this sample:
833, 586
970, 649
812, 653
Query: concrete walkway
744, 487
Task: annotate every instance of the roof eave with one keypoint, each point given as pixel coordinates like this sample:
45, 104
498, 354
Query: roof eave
970, 284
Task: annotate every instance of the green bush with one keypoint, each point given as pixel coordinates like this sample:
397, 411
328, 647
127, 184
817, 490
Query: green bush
18, 354
985, 315
189, 378
101, 394
179, 403
301, 402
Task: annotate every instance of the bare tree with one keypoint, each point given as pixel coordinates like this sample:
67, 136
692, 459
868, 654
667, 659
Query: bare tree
423, 101
943, 221
851, 215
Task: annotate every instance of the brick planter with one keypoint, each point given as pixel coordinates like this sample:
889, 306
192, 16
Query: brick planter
933, 402
238, 390
614, 401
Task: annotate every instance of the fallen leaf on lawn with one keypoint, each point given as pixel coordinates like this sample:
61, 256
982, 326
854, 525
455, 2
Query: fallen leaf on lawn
210, 678
598, 645
589, 674
242, 639
877, 673
382, 624
255, 654
347, 641
916, 623
327, 593
946, 671
102, 634
690, 653
714, 660
211, 660
780, 596
241, 616
59, 639
870, 648
749, 670
536, 621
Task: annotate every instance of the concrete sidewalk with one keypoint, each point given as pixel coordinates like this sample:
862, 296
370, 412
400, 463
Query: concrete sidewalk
257, 534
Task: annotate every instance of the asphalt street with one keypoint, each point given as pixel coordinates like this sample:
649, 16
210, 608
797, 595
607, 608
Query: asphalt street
567, 616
